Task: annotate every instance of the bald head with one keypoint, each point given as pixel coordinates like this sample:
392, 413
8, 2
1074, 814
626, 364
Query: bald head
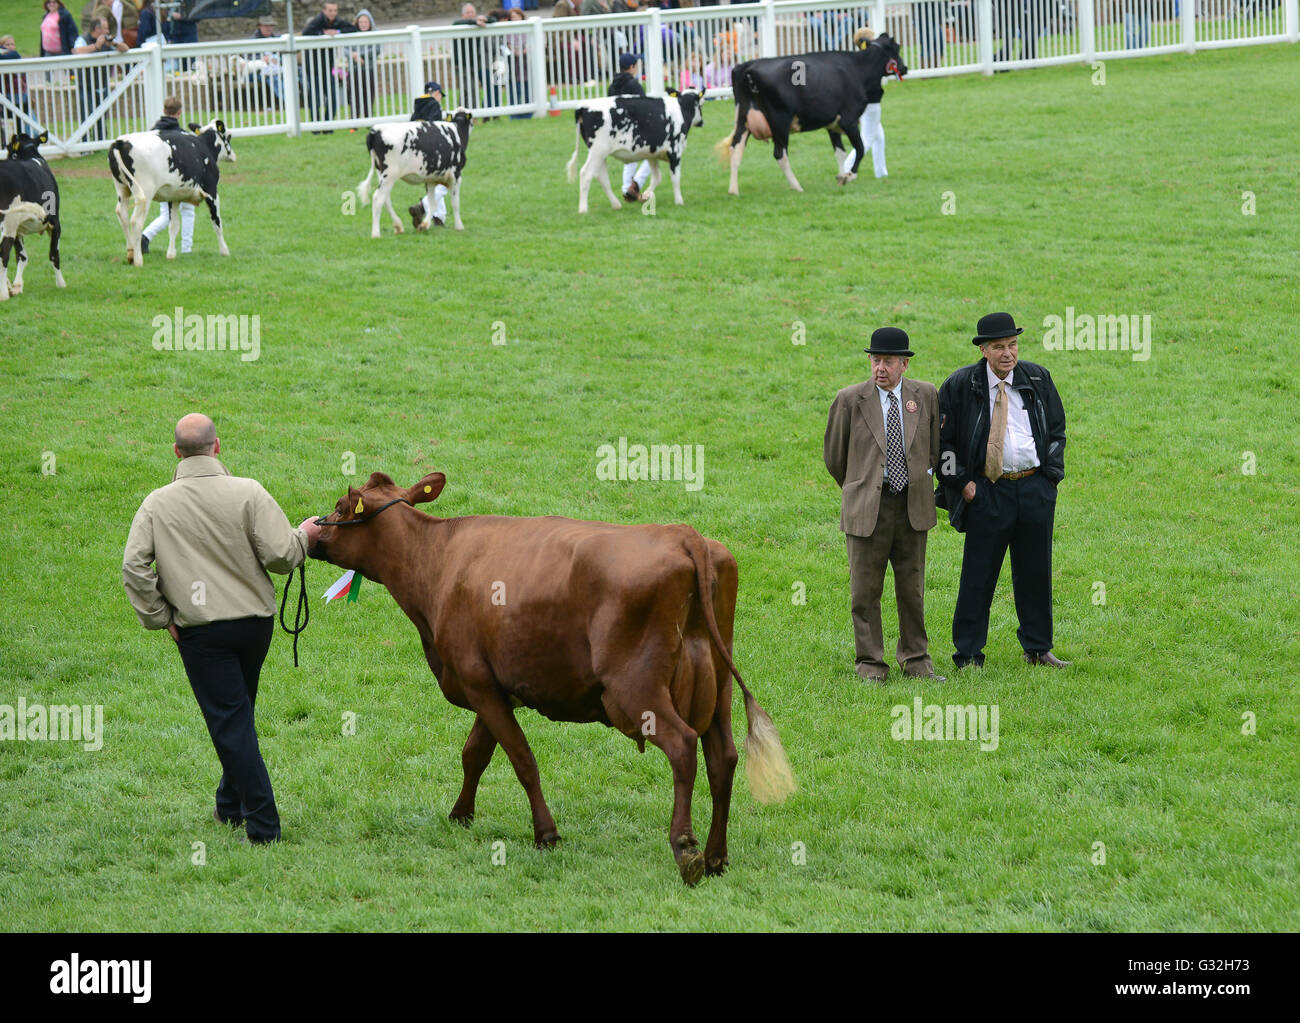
196, 434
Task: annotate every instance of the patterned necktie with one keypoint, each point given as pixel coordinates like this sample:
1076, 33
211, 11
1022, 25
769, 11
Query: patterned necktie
895, 460
997, 434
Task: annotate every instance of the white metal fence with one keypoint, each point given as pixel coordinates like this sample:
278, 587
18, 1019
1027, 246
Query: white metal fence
529, 68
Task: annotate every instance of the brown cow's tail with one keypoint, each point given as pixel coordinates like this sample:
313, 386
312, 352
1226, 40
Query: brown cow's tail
766, 765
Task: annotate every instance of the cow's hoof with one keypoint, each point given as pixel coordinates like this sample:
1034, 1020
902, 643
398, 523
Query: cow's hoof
398, 229
733, 191
715, 866
844, 179
16, 288
462, 817
547, 841
59, 282
374, 234
692, 866
4, 296
171, 253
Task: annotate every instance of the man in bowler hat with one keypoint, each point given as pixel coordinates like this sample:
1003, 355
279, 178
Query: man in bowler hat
1002, 427
881, 448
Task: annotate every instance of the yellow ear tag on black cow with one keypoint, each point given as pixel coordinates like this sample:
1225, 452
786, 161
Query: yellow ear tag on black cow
360, 507
428, 490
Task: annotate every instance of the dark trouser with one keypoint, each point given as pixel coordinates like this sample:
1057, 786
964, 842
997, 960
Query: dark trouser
223, 661
894, 542
1016, 514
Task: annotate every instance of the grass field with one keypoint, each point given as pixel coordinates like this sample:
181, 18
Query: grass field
1180, 499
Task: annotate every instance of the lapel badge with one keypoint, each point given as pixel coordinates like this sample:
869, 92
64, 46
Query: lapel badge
910, 406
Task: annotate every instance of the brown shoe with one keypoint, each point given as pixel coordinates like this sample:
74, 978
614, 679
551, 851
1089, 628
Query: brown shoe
869, 676
1047, 659
417, 215
633, 193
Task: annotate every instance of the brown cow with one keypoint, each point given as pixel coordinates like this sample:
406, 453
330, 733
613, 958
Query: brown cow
582, 621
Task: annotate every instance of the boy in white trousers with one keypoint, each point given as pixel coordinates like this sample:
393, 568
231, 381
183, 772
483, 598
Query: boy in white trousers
628, 83
873, 133
429, 108
170, 121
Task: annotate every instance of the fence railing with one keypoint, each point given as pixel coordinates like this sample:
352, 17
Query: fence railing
529, 68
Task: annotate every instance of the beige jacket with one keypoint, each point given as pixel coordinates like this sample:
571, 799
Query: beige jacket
213, 537
854, 452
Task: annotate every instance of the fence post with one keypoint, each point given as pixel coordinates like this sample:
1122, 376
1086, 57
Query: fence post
654, 55
984, 33
153, 83
1188, 14
878, 22
1293, 20
415, 63
537, 69
289, 87
1087, 25
767, 29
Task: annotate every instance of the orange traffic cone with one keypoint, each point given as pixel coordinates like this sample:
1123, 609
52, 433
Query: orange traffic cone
555, 103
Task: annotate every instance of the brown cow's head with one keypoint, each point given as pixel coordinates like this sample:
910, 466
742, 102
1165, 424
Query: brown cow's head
350, 535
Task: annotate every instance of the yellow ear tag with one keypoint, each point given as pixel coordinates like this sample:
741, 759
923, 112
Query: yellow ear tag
428, 490
360, 507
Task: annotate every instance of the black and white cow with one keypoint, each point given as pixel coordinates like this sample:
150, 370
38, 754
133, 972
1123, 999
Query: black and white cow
425, 153
29, 204
633, 128
778, 96
172, 167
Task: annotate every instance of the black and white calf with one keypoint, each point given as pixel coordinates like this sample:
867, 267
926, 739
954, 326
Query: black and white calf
779, 96
29, 204
633, 128
425, 153
172, 167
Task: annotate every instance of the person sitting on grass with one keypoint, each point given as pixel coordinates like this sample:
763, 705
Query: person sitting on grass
628, 83
429, 108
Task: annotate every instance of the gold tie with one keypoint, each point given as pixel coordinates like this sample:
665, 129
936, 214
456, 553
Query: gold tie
997, 434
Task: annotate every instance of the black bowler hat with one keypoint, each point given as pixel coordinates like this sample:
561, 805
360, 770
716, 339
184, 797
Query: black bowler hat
890, 341
995, 326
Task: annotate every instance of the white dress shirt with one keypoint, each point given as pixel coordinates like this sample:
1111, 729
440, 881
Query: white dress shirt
1018, 450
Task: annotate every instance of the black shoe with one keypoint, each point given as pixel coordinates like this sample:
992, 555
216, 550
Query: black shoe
417, 215
144, 245
234, 822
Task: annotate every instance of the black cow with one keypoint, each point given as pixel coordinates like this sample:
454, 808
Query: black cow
173, 167
29, 204
633, 128
425, 153
778, 96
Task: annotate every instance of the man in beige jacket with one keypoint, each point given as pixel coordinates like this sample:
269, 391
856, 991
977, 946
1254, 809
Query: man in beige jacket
213, 537
881, 447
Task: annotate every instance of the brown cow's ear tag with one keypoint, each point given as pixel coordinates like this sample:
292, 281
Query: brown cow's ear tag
360, 507
428, 490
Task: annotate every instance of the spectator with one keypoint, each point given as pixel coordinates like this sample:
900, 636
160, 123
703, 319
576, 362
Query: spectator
1137, 25
717, 74
361, 77
564, 9
13, 87
929, 20
628, 83
520, 91
691, 75
590, 7
318, 65
147, 27
473, 60
177, 31
92, 82
170, 121
270, 71
58, 30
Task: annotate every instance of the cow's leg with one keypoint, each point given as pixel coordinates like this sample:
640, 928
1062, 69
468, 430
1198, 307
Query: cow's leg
848, 173
139, 211
377, 206
6, 243
678, 741
602, 172
474, 758
56, 231
426, 207
455, 203
486, 701
837, 148
675, 173
387, 193
173, 227
720, 759
214, 208
124, 219
737, 154
656, 175
780, 149
21, 252
584, 181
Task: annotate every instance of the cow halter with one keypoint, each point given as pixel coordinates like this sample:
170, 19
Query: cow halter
303, 614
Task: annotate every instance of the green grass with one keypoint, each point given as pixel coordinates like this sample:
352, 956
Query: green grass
676, 328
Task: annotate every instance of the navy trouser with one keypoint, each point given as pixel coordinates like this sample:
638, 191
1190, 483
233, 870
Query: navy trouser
1015, 514
223, 661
